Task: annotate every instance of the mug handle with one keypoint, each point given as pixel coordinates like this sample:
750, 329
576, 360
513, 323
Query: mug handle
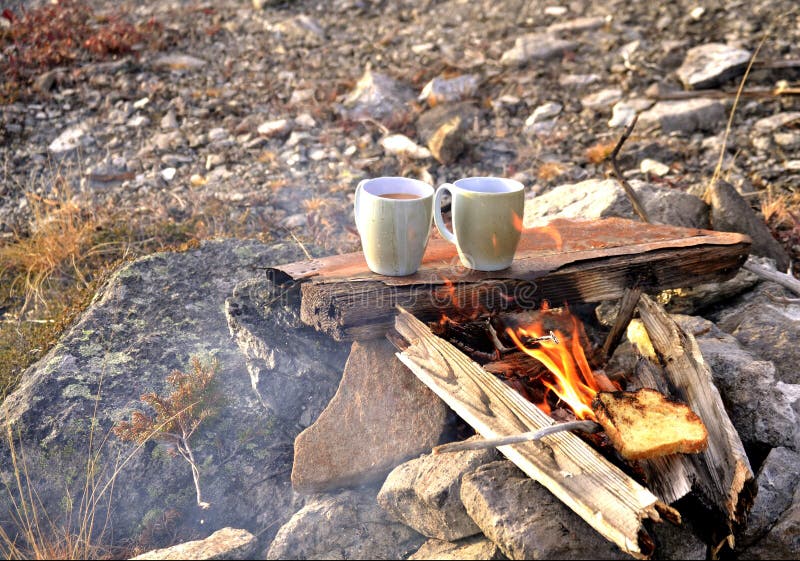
356, 214
437, 212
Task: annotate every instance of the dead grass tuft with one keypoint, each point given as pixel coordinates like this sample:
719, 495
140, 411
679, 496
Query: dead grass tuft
550, 170
600, 152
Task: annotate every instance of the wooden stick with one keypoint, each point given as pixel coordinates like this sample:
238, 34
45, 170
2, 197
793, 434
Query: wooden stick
627, 307
585, 426
637, 205
787, 281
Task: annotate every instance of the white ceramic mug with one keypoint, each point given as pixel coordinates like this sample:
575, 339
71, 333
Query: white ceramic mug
393, 216
487, 220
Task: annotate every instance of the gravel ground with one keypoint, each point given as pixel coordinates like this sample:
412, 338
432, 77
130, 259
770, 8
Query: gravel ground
260, 131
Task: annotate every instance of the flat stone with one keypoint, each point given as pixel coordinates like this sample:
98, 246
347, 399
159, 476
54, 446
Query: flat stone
709, 65
349, 444
602, 100
449, 90
731, 213
577, 25
68, 140
525, 520
653, 167
227, 543
377, 96
763, 410
276, 127
593, 199
473, 548
578, 80
424, 493
544, 112
685, 116
348, 525
536, 46
401, 145
774, 122
179, 61
777, 479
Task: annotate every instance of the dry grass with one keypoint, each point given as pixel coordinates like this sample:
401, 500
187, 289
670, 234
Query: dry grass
550, 170
50, 272
599, 152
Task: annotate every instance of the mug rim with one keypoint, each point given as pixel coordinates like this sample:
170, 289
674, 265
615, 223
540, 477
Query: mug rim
398, 179
515, 186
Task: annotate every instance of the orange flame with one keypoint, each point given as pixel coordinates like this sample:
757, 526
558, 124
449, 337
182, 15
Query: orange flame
573, 381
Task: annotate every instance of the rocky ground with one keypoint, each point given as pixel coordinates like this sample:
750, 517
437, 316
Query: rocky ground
259, 118
250, 116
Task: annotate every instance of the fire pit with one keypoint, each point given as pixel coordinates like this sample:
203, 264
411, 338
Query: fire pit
487, 345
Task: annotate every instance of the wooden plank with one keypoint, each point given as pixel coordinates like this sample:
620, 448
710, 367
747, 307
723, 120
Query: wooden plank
722, 473
607, 499
364, 309
541, 251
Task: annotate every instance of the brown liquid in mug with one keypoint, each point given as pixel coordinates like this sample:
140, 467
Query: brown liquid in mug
400, 196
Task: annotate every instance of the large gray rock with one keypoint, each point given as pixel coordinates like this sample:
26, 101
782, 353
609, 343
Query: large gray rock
282, 353
763, 410
709, 65
151, 317
596, 198
525, 520
685, 116
425, 493
227, 543
475, 548
783, 540
349, 525
380, 416
731, 213
777, 479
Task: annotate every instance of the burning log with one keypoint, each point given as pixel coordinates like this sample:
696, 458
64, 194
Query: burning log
722, 473
564, 261
611, 502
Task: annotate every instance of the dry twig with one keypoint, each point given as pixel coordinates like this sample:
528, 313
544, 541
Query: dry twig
637, 205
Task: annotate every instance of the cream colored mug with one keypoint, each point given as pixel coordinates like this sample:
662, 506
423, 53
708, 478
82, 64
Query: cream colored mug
393, 217
487, 220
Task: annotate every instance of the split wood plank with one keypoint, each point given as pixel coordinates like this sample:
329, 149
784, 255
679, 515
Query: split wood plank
722, 473
608, 500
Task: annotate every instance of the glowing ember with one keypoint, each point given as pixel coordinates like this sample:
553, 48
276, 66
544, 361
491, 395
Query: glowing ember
573, 381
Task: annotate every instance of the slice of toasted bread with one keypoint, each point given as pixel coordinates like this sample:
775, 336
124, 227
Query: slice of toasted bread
645, 424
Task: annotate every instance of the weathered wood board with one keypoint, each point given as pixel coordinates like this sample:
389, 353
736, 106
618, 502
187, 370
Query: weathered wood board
566, 261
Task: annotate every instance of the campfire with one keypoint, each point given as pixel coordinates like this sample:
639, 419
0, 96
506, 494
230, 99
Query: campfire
517, 370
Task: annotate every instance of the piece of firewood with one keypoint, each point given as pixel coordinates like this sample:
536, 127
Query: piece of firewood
627, 307
592, 261
608, 500
787, 281
722, 473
